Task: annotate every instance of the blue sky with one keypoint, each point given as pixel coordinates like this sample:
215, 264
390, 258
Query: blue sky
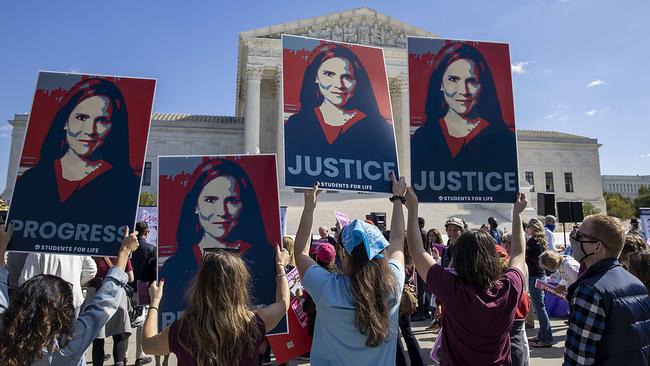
579, 64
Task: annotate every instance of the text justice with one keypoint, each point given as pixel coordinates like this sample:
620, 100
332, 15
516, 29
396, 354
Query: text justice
466, 180
332, 167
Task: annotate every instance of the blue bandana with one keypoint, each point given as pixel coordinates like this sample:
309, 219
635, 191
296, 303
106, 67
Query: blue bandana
360, 232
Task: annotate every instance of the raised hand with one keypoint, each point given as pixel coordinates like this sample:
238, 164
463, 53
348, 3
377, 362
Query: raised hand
130, 241
411, 199
156, 291
311, 195
520, 204
282, 257
399, 186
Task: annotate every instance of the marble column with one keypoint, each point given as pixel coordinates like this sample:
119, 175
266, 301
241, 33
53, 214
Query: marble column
17, 137
277, 87
252, 109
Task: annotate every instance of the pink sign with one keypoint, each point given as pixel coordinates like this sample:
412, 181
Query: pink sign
342, 218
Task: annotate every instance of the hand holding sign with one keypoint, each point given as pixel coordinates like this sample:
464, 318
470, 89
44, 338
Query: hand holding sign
5, 237
311, 196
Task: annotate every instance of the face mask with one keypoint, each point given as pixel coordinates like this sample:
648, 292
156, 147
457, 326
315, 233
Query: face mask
550, 227
578, 251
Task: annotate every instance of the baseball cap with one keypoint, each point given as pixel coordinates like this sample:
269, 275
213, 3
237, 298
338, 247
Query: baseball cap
502, 252
455, 221
325, 253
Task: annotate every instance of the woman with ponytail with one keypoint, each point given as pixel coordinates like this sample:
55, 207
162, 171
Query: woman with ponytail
358, 309
535, 246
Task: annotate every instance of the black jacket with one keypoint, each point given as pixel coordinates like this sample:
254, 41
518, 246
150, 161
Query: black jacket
143, 261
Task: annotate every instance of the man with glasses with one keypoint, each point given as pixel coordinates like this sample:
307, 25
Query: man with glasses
610, 309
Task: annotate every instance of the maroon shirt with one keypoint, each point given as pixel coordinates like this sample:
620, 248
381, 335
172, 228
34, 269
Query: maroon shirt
476, 322
186, 358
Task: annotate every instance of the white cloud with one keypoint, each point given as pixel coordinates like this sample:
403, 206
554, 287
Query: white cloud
560, 113
5, 131
594, 112
596, 83
643, 156
75, 69
519, 67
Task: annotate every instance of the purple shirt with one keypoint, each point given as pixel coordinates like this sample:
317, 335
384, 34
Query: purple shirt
186, 358
476, 322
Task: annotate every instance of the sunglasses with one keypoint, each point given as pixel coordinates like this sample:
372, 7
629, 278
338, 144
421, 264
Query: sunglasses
583, 238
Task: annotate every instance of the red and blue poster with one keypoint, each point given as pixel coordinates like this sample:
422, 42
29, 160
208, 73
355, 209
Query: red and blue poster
338, 122
208, 203
79, 175
464, 147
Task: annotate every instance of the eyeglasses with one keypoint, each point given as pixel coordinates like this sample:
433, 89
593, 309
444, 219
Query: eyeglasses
580, 237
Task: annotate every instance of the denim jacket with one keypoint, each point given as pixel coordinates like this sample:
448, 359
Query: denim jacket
99, 310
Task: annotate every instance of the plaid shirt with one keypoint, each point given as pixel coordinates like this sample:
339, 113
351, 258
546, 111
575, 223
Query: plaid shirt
586, 327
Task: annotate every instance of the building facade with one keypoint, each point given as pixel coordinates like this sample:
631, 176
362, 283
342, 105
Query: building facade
626, 185
572, 161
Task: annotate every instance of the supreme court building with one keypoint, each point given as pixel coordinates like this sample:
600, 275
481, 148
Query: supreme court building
567, 165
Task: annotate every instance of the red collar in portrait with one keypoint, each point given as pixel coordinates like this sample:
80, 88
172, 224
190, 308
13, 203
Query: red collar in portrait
333, 132
67, 187
455, 144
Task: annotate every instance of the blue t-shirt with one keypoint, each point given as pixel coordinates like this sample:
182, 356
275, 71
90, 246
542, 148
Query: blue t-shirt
337, 341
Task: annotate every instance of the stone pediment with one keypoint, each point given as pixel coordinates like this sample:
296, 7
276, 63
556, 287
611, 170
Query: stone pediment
363, 26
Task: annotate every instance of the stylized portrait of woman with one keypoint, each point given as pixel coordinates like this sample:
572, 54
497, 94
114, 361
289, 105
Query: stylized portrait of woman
338, 118
83, 174
220, 211
464, 130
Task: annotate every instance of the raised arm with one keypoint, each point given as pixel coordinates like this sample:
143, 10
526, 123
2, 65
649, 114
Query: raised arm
518, 251
272, 314
396, 249
154, 343
303, 236
5, 237
423, 260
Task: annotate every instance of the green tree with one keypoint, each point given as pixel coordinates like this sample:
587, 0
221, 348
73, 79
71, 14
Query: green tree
588, 208
642, 201
148, 199
619, 206
644, 190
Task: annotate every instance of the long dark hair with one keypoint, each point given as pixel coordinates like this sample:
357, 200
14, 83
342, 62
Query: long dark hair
488, 106
218, 326
476, 259
371, 282
363, 98
114, 150
249, 227
41, 311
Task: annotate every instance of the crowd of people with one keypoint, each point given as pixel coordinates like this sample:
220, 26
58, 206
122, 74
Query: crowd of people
361, 288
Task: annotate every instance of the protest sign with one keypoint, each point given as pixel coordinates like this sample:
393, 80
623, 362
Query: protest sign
150, 216
213, 203
342, 218
551, 289
338, 127
79, 174
461, 108
645, 222
297, 341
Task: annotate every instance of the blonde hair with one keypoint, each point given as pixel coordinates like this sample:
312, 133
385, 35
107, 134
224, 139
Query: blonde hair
551, 260
218, 326
287, 243
538, 231
609, 231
